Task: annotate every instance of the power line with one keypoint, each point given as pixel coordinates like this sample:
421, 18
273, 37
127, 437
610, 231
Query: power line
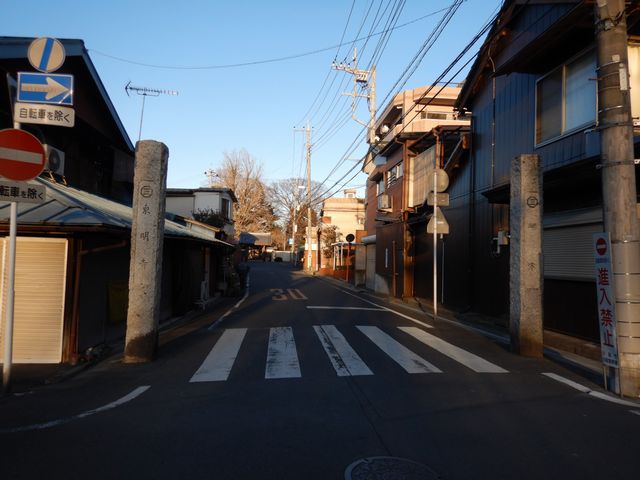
353, 145
254, 62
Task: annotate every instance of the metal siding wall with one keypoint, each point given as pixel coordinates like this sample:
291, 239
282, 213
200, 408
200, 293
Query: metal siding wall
515, 122
456, 252
564, 151
531, 22
41, 267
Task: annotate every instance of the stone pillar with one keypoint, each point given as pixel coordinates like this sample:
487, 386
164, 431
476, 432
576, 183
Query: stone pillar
526, 268
147, 236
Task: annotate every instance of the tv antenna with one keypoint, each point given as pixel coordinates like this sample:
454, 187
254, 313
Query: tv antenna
145, 92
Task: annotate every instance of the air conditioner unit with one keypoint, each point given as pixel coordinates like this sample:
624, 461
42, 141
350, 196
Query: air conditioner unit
384, 202
55, 160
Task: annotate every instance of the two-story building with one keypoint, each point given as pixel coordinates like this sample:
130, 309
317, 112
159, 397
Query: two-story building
200, 203
346, 215
72, 256
397, 186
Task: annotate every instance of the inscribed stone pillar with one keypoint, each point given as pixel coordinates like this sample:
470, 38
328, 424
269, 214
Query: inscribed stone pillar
526, 267
147, 236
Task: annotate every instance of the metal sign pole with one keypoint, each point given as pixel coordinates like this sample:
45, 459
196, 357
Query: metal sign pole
7, 362
8, 326
435, 244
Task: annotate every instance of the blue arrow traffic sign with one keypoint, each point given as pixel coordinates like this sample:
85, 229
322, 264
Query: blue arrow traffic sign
45, 88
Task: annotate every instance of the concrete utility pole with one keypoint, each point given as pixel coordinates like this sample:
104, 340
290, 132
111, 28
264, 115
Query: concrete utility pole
367, 78
525, 264
619, 185
309, 263
147, 238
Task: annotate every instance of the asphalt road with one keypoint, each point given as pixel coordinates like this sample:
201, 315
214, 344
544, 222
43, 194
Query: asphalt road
303, 379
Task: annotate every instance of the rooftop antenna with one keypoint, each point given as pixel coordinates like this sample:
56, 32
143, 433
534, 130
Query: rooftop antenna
144, 91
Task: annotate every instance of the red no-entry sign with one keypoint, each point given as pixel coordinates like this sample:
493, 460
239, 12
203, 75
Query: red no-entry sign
601, 246
21, 155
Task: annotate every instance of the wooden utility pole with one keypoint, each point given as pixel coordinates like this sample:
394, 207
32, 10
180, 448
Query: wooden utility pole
619, 185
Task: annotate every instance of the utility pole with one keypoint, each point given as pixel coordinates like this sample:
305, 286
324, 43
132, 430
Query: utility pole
211, 175
367, 79
619, 186
308, 147
307, 131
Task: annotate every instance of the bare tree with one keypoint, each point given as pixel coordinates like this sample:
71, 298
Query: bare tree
242, 173
289, 200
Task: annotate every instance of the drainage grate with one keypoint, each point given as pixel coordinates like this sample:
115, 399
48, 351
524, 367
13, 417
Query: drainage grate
388, 468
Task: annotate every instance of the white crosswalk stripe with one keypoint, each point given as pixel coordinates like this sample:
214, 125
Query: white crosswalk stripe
404, 357
468, 359
217, 366
344, 359
282, 355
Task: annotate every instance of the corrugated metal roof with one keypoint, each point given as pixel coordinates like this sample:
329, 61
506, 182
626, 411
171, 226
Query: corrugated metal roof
66, 207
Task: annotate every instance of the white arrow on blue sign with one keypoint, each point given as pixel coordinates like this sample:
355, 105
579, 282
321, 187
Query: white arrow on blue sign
45, 88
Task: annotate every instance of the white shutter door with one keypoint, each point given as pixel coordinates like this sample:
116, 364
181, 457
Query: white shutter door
568, 252
41, 266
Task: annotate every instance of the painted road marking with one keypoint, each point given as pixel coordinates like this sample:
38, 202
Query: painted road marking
293, 293
282, 358
344, 359
387, 309
327, 307
217, 366
458, 354
587, 390
54, 423
230, 311
404, 357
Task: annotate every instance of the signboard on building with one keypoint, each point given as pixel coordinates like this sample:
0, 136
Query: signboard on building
606, 299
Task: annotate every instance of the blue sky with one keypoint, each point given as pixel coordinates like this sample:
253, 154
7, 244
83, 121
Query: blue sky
253, 107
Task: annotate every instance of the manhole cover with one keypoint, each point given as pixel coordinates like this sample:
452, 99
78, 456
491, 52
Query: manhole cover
388, 468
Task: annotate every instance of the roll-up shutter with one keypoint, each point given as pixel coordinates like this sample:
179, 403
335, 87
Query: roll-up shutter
568, 252
41, 265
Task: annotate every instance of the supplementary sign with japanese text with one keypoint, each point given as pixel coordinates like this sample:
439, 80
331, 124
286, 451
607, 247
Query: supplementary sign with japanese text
606, 299
21, 192
43, 114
